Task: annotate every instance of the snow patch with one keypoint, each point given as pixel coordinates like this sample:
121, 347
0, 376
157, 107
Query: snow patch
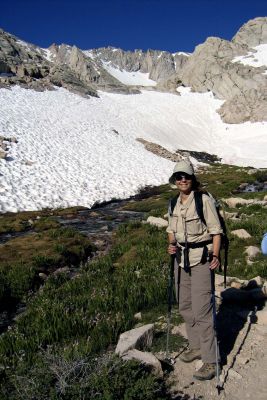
77, 151
24, 44
254, 59
129, 78
48, 55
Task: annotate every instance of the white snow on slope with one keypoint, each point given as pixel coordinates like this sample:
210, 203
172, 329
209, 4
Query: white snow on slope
129, 78
48, 55
78, 159
254, 59
24, 44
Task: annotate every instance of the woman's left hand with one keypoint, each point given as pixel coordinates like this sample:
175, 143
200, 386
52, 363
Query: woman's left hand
215, 263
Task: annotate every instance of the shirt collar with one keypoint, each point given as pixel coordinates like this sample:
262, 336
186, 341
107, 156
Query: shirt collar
188, 202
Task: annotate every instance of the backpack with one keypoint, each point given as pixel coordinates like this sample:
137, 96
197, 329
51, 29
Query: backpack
199, 208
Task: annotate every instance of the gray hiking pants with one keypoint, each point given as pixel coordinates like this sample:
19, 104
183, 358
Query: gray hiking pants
195, 306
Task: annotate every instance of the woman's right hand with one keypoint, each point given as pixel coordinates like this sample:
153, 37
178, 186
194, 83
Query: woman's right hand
172, 248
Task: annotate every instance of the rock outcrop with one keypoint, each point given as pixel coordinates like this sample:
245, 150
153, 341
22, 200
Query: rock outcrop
63, 66
137, 338
211, 67
159, 64
253, 33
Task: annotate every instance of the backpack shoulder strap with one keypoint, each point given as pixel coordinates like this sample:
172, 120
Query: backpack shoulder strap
199, 205
172, 204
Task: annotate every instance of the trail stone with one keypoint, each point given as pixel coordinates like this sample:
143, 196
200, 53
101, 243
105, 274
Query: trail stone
159, 222
262, 317
42, 276
261, 329
241, 233
135, 338
252, 251
145, 358
219, 280
230, 215
3, 154
235, 375
232, 202
180, 330
242, 360
198, 364
236, 285
138, 316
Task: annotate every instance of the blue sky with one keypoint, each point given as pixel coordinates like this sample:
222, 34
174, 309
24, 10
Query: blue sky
173, 25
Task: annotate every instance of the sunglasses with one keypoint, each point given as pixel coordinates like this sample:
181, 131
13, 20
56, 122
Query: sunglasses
178, 176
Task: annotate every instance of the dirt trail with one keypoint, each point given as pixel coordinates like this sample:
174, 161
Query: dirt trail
243, 347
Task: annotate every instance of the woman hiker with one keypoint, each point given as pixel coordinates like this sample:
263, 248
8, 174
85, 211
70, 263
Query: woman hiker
197, 247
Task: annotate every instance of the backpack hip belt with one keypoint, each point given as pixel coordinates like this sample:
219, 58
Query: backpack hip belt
195, 245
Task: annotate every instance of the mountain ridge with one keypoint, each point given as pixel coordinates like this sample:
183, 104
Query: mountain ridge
209, 68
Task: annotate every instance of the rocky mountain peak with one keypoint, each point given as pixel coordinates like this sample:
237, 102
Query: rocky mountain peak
252, 33
216, 65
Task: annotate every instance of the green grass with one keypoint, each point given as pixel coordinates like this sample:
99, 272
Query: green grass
23, 258
38, 220
86, 315
79, 318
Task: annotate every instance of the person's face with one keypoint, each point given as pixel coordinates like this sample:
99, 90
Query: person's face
183, 182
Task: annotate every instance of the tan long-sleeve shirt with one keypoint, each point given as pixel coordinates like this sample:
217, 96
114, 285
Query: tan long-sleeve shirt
186, 219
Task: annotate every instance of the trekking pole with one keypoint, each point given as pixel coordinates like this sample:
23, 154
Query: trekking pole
170, 295
218, 385
226, 245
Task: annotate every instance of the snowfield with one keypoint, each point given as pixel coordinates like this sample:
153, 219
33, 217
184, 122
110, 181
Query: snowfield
257, 58
128, 78
78, 151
